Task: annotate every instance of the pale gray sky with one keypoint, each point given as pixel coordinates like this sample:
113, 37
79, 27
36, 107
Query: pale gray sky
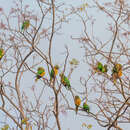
74, 28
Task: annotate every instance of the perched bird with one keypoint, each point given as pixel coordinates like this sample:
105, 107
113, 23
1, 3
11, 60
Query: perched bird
25, 24
116, 72
99, 66
40, 73
54, 72
65, 81
77, 101
1, 53
117, 68
104, 69
86, 107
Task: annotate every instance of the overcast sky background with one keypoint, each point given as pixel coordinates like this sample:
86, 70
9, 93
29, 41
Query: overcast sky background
74, 28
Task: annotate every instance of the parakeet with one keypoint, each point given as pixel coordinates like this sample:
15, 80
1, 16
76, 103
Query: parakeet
77, 101
65, 81
117, 68
1, 53
99, 66
86, 107
116, 72
40, 73
25, 24
104, 69
54, 72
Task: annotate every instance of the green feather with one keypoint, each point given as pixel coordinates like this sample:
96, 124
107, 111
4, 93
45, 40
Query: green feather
51, 74
99, 66
25, 23
1, 51
103, 69
40, 70
65, 81
22, 26
86, 107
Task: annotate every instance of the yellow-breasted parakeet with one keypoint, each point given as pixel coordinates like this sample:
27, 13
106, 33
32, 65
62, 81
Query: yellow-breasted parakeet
25, 24
77, 101
117, 68
1, 53
40, 73
65, 81
54, 72
116, 72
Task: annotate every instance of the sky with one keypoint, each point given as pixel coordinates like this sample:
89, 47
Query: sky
74, 28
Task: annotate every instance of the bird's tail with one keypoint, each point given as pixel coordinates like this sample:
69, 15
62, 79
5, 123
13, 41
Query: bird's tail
22, 28
36, 79
76, 109
69, 87
50, 78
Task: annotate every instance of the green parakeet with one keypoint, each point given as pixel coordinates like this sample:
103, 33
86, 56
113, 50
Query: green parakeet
40, 73
86, 107
77, 101
54, 72
104, 69
99, 66
65, 81
25, 24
